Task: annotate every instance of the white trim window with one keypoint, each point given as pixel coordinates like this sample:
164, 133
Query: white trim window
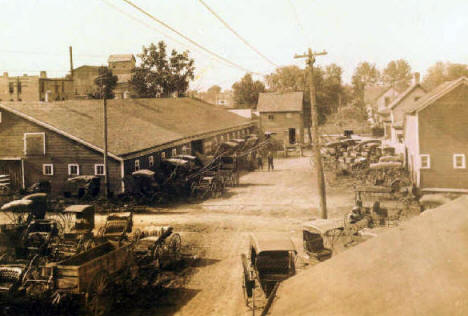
99, 169
174, 152
73, 169
163, 155
48, 169
0, 117
425, 161
151, 161
137, 164
459, 161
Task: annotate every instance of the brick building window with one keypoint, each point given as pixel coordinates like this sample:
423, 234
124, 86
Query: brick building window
11, 87
425, 161
137, 164
19, 87
73, 169
99, 169
48, 169
459, 161
271, 117
151, 160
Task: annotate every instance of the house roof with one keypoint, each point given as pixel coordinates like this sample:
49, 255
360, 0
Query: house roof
436, 94
419, 268
372, 93
404, 94
133, 124
280, 102
120, 58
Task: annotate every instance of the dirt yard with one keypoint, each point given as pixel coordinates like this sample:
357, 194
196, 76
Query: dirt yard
278, 201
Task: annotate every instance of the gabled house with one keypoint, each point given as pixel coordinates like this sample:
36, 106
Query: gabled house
398, 110
383, 108
283, 115
436, 138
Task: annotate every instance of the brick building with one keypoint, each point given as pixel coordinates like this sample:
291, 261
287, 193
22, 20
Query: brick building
58, 140
35, 88
83, 81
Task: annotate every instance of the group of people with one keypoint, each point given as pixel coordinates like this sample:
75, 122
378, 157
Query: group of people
269, 157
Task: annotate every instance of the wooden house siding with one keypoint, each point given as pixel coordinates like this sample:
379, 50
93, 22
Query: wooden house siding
443, 132
280, 124
60, 151
412, 145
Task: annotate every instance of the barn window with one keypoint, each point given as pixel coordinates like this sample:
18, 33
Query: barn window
163, 155
99, 169
174, 152
11, 87
425, 161
73, 169
137, 164
151, 160
48, 169
459, 161
34, 144
271, 117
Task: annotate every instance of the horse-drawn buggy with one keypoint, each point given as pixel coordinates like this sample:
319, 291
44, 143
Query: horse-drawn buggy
82, 187
207, 186
117, 227
320, 236
271, 259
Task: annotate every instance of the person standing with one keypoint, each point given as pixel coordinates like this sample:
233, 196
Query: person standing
260, 162
270, 161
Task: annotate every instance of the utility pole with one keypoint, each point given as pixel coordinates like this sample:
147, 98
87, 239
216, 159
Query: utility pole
315, 132
71, 62
106, 177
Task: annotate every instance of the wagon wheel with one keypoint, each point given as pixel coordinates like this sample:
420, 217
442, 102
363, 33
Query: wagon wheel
175, 243
98, 296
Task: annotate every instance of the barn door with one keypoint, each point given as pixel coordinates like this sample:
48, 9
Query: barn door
11, 170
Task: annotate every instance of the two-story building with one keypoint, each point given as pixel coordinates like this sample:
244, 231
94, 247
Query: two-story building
398, 109
57, 140
436, 138
282, 114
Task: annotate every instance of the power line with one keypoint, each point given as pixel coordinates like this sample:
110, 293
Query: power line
237, 34
301, 26
189, 39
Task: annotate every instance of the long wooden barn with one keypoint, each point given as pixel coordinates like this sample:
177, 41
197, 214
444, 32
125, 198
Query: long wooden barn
42, 141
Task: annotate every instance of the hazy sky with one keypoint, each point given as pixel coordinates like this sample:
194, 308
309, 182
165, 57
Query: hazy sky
35, 34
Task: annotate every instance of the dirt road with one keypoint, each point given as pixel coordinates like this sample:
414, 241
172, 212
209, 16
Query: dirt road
278, 201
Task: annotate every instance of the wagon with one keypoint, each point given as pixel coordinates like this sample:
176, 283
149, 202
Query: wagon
206, 187
271, 259
82, 187
320, 235
117, 226
91, 276
78, 225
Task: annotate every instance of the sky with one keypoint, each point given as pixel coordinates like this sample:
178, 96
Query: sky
35, 34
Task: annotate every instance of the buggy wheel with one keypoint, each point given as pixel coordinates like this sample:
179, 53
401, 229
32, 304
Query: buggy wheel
98, 296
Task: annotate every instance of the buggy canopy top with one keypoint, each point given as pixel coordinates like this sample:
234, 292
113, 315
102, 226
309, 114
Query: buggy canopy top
17, 206
144, 173
322, 226
262, 242
79, 208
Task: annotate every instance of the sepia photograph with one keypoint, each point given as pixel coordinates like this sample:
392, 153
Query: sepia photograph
233, 157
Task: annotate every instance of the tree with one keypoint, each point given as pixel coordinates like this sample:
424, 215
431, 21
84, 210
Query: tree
214, 90
365, 75
106, 83
441, 72
246, 91
160, 74
286, 79
397, 74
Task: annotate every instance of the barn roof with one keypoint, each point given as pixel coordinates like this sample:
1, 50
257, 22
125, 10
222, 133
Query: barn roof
436, 94
133, 124
418, 268
120, 58
280, 102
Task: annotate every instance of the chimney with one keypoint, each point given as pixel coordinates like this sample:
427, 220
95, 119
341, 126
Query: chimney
417, 78
43, 74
